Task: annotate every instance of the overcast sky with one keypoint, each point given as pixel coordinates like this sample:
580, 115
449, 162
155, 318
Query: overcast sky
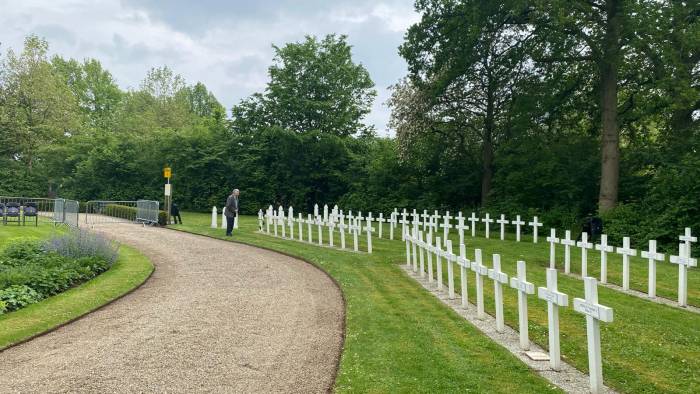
226, 44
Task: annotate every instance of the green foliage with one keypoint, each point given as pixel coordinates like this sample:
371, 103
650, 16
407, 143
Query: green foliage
31, 271
18, 296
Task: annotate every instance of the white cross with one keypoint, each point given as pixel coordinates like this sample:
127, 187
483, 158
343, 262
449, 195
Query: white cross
473, 219
517, 222
503, 221
414, 235
446, 226
325, 213
652, 256
421, 253
524, 288
319, 223
416, 221
351, 221
223, 217
214, 218
435, 220
359, 218
381, 221
464, 265
487, 220
595, 313
604, 249
431, 250
369, 231
553, 240
425, 217
331, 227
450, 258
584, 245
392, 224
355, 229
687, 238
260, 220
341, 230
480, 271
315, 210
438, 261
403, 222
461, 227
309, 222
300, 222
499, 279
405, 238
626, 252
290, 222
534, 224
554, 299
282, 223
684, 262
568, 243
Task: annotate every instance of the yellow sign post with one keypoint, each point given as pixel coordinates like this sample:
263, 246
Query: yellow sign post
166, 172
168, 193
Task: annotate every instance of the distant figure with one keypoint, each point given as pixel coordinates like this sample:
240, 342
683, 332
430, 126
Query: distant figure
231, 210
175, 213
592, 225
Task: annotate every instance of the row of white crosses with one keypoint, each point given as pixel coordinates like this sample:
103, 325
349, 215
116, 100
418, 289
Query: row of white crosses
683, 259
329, 221
214, 219
418, 246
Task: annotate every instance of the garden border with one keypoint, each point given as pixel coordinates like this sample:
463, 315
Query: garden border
76, 318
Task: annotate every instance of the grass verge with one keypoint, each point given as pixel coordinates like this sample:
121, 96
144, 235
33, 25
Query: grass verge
400, 338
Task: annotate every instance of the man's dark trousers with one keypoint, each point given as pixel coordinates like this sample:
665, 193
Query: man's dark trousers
229, 224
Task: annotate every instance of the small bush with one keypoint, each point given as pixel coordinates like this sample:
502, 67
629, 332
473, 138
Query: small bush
16, 297
21, 249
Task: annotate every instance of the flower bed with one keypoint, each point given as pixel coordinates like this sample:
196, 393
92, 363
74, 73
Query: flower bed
33, 270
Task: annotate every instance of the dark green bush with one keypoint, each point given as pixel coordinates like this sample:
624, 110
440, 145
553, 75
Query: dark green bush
19, 296
31, 271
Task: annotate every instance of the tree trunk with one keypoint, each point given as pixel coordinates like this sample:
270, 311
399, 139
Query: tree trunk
487, 150
610, 135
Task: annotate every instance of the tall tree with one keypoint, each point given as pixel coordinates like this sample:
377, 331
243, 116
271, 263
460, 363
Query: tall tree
469, 60
598, 32
36, 107
314, 86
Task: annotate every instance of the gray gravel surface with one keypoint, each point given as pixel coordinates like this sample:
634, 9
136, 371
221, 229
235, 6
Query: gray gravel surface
215, 317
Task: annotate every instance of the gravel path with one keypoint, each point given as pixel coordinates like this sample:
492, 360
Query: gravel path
214, 317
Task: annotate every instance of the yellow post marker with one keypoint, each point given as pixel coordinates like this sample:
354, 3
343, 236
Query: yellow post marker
168, 193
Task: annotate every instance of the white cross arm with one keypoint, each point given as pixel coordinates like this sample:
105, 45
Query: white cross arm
684, 260
501, 277
479, 268
598, 312
554, 297
526, 287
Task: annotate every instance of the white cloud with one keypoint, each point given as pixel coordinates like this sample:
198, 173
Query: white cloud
226, 45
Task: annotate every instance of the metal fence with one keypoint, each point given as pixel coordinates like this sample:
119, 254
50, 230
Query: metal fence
105, 211
52, 210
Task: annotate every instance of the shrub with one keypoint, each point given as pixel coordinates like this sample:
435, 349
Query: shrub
79, 243
16, 297
21, 249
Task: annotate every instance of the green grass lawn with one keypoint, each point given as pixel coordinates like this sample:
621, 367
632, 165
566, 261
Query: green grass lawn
130, 270
401, 338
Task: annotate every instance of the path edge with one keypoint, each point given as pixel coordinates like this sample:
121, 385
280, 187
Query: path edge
341, 349
76, 318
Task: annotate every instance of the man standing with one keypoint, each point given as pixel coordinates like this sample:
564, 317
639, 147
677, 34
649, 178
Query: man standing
231, 210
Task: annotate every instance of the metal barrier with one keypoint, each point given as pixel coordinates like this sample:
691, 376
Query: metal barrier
104, 211
54, 210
